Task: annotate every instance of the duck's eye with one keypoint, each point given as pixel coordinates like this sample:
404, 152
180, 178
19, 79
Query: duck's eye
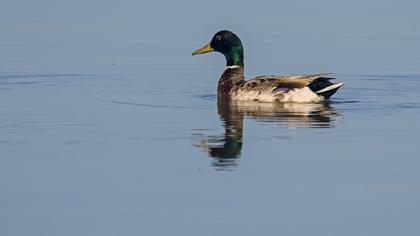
218, 37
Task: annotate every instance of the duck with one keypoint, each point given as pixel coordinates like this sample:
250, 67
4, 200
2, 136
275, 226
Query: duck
232, 85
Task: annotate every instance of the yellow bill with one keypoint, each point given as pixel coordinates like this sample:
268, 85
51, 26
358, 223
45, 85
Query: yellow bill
204, 49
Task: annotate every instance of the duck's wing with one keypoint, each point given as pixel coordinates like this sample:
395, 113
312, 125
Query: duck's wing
298, 88
283, 83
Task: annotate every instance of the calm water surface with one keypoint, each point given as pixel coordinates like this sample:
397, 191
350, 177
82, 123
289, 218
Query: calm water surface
112, 153
118, 131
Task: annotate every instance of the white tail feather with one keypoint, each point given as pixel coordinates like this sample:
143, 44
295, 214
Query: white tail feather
331, 87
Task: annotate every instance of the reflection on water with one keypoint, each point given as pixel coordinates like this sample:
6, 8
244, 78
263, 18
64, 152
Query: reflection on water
225, 149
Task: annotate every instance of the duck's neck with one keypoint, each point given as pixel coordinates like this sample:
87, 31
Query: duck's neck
235, 57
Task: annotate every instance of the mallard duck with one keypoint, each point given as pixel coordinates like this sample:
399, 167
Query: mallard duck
269, 88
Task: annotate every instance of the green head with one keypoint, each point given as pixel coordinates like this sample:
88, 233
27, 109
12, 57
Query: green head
228, 44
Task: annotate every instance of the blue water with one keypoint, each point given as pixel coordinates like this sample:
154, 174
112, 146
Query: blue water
110, 127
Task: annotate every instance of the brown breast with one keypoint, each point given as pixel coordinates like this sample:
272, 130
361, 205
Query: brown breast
231, 77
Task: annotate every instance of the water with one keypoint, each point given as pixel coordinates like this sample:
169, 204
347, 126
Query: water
112, 128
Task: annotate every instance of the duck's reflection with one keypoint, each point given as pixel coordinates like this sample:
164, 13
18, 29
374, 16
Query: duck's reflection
225, 149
